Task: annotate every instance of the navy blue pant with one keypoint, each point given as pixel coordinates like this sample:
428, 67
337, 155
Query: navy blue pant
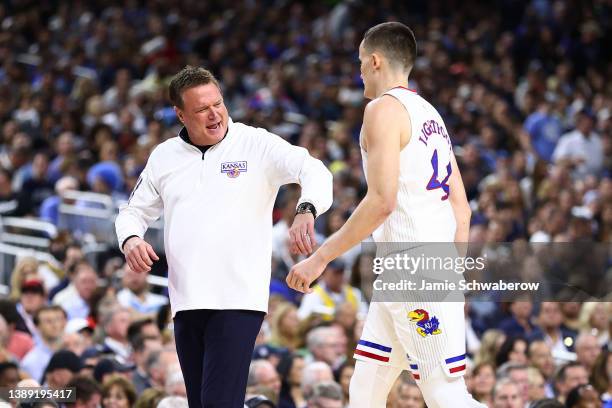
215, 348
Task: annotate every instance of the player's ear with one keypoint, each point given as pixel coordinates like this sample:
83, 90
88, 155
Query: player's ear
376, 60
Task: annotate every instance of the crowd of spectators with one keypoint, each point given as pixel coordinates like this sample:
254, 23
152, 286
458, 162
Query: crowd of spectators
525, 89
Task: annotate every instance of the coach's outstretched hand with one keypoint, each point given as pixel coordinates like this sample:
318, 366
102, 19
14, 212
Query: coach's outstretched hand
139, 255
304, 273
302, 235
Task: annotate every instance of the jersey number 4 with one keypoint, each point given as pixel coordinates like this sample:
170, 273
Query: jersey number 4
433, 181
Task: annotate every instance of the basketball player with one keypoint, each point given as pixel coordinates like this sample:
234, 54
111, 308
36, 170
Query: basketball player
415, 193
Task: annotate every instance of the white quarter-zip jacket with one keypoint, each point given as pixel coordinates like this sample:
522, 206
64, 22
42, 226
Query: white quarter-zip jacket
217, 209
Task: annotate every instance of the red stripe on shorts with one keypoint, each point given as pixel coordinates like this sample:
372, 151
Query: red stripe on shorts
371, 355
456, 369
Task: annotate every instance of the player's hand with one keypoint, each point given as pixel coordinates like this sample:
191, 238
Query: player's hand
139, 255
304, 273
301, 235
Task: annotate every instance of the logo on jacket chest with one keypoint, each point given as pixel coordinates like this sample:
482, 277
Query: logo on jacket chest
233, 169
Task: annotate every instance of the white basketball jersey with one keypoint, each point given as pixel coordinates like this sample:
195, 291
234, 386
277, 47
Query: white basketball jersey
423, 212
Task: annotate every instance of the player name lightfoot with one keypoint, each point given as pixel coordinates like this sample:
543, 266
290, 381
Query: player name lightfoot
407, 285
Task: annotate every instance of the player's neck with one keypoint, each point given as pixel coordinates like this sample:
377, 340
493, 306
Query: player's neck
390, 81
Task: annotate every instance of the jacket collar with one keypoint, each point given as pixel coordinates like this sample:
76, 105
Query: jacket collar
184, 135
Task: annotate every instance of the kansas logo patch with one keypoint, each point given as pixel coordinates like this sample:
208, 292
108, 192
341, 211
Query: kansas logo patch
425, 324
233, 169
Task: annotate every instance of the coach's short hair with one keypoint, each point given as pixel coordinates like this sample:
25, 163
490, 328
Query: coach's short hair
189, 77
395, 41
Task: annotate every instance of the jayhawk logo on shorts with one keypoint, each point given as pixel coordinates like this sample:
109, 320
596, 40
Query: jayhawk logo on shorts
425, 325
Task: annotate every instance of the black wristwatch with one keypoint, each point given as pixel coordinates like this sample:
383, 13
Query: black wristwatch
305, 208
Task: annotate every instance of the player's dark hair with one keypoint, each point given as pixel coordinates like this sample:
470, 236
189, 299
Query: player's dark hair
188, 77
396, 42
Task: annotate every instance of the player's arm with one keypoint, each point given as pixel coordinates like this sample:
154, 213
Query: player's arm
459, 203
382, 136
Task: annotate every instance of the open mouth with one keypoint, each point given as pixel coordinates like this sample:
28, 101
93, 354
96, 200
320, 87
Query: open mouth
215, 126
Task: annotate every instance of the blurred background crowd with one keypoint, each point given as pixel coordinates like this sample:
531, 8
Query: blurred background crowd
524, 87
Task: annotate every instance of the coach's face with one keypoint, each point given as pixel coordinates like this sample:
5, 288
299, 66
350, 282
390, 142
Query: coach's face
204, 114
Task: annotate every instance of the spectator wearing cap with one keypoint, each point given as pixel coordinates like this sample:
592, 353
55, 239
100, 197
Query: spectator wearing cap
136, 294
326, 395
77, 302
64, 364
50, 322
582, 148
90, 358
31, 300
88, 393
115, 323
107, 367
83, 328
330, 293
568, 377
263, 374
105, 178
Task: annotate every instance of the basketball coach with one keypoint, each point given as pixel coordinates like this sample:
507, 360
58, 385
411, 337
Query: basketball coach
215, 185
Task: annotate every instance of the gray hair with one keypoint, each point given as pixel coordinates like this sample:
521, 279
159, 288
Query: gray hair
316, 337
173, 402
312, 375
501, 383
252, 379
326, 389
505, 369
